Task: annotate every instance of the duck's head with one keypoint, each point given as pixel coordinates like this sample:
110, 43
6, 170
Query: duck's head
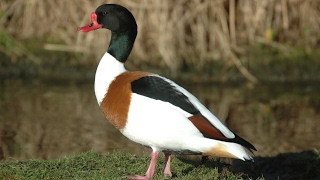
121, 23
114, 17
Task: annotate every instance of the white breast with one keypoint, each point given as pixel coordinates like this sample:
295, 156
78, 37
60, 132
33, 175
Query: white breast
107, 70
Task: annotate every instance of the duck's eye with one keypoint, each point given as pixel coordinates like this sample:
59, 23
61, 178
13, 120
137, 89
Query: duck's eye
104, 13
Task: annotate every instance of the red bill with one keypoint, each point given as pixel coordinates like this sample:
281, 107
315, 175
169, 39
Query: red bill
93, 25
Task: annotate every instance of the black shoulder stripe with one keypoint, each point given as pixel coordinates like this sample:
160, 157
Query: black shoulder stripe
157, 88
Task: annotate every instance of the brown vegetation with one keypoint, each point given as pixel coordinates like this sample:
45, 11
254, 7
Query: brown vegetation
172, 33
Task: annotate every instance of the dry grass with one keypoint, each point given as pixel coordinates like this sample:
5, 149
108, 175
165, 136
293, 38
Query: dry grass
172, 33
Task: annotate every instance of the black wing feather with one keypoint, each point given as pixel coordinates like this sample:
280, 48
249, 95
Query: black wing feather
157, 88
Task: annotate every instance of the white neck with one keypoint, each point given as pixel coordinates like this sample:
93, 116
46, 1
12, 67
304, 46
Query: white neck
108, 69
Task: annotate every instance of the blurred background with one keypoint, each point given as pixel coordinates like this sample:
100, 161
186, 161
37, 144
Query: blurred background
254, 64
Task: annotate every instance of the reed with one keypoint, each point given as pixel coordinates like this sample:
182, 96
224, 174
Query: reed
173, 33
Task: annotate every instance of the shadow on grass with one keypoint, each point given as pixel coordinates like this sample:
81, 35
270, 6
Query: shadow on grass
303, 165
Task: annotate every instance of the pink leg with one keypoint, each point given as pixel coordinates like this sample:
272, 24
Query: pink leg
167, 171
150, 171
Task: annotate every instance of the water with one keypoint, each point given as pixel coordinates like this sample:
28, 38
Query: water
56, 119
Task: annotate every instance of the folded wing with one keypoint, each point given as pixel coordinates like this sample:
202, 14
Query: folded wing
160, 88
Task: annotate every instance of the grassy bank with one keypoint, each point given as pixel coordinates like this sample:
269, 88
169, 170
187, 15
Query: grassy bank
90, 165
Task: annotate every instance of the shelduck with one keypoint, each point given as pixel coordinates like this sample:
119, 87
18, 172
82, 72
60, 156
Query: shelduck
150, 109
